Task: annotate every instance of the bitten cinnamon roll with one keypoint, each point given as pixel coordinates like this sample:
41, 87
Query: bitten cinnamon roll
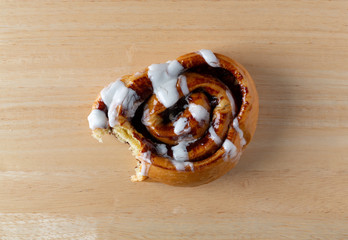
187, 121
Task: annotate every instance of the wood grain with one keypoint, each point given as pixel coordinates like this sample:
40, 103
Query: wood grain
56, 182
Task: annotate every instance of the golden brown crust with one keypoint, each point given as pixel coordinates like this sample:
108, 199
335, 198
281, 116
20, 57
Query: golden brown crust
215, 164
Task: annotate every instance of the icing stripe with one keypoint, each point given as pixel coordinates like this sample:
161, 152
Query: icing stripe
97, 119
125, 97
145, 158
180, 151
164, 78
230, 150
183, 85
180, 166
233, 105
209, 57
199, 113
181, 126
240, 132
214, 136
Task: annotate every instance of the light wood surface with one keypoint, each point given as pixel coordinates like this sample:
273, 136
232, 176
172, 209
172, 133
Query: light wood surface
56, 182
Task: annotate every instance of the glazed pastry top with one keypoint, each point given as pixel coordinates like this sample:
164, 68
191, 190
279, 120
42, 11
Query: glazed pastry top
181, 110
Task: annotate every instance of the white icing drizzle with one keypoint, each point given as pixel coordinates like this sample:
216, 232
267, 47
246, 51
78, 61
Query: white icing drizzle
230, 150
161, 149
107, 94
145, 119
145, 158
97, 119
144, 169
180, 166
217, 120
209, 57
180, 151
214, 136
199, 113
231, 99
164, 78
183, 85
240, 132
126, 97
181, 126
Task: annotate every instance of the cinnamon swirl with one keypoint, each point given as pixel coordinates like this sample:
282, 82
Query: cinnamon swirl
187, 121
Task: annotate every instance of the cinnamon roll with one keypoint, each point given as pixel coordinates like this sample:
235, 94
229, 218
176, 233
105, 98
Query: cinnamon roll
187, 121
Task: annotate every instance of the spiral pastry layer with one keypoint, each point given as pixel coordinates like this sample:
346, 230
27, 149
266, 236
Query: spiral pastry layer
187, 120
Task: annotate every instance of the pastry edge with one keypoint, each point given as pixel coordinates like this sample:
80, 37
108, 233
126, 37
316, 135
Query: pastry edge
125, 136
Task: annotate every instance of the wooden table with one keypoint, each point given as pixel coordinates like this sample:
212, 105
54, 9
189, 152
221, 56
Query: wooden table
56, 182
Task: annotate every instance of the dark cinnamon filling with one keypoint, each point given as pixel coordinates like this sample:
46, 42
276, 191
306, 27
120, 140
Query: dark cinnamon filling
173, 112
